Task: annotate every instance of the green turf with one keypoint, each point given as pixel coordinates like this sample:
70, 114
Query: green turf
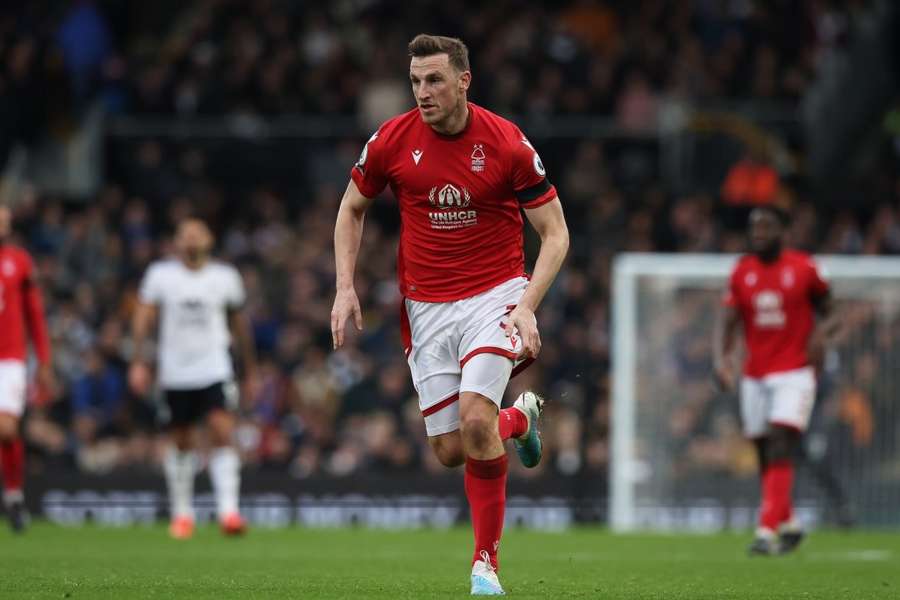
92, 562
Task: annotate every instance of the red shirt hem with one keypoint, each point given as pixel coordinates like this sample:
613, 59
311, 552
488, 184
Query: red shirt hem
760, 373
419, 297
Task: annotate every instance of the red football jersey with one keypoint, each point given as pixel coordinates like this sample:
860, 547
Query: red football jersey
460, 198
775, 303
21, 312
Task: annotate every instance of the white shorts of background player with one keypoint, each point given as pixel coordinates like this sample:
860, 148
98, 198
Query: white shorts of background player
784, 399
461, 346
12, 387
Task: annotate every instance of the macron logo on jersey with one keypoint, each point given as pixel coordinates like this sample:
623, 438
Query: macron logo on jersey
417, 155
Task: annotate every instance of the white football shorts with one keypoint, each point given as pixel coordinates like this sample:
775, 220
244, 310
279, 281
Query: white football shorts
12, 387
784, 399
461, 346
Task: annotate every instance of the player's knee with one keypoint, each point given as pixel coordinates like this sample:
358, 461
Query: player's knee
9, 427
182, 438
781, 444
448, 450
478, 429
221, 427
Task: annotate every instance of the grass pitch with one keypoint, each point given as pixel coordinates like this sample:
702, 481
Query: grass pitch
141, 562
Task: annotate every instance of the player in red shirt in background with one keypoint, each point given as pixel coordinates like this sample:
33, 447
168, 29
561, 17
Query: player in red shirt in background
462, 177
21, 317
775, 294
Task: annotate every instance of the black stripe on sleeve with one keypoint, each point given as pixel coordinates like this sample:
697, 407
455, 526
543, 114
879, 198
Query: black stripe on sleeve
534, 192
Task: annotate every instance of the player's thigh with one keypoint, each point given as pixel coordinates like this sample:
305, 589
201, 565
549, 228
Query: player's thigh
12, 393
439, 403
448, 448
434, 364
754, 399
486, 374
793, 397
221, 401
185, 408
436, 377
485, 318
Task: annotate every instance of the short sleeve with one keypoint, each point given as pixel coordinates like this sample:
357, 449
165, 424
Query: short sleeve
236, 295
151, 290
369, 172
818, 283
529, 177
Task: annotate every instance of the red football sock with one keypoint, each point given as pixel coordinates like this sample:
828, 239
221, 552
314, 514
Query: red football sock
485, 482
512, 423
777, 486
12, 464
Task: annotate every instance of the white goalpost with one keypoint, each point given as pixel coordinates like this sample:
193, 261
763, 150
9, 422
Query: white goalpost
678, 460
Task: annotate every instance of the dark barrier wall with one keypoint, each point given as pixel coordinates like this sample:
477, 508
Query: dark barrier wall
389, 501
275, 500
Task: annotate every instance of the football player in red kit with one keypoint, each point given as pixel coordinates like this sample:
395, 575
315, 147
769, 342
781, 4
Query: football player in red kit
21, 317
775, 295
462, 177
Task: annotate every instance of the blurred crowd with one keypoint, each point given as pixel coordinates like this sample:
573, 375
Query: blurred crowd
272, 204
270, 57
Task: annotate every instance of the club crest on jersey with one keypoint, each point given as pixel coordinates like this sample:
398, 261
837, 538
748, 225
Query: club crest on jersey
453, 211
478, 158
9, 268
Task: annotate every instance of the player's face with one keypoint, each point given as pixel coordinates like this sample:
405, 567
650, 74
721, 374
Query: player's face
438, 87
5, 222
193, 241
765, 231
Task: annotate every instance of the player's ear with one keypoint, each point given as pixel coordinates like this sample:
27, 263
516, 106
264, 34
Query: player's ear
465, 79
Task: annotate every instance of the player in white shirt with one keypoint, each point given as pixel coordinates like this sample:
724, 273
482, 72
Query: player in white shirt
199, 304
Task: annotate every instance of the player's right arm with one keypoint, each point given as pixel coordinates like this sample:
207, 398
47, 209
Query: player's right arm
139, 371
33, 310
143, 319
347, 237
725, 333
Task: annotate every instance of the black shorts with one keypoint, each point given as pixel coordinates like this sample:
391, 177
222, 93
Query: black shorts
187, 407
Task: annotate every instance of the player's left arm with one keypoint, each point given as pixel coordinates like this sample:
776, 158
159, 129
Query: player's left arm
37, 328
826, 330
827, 321
550, 223
242, 332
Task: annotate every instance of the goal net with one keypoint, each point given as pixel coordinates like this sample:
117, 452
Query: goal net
678, 458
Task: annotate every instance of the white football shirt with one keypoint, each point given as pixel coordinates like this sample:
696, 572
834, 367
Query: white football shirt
194, 337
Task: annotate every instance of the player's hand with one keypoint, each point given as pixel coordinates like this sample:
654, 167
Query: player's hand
346, 305
139, 378
725, 376
815, 351
46, 380
252, 384
522, 321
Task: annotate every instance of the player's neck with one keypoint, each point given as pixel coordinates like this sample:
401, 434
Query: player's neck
195, 265
770, 256
454, 123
